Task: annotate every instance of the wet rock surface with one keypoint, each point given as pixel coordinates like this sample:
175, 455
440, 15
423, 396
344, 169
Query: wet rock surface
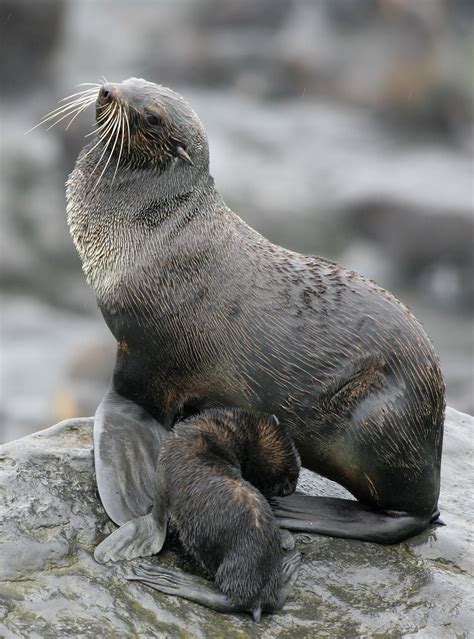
51, 586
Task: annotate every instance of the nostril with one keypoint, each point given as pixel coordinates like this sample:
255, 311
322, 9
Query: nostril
106, 93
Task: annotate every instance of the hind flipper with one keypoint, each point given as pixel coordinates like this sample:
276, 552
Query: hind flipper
193, 588
345, 518
140, 537
181, 584
290, 568
127, 442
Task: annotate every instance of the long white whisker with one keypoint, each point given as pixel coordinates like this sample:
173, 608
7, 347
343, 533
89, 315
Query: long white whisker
68, 110
83, 108
116, 133
101, 139
100, 129
128, 127
103, 118
110, 134
86, 84
122, 129
86, 92
63, 107
105, 112
78, 100
69, 113
66, 107
107, 116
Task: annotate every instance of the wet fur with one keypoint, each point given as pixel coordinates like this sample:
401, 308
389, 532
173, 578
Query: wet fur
224, 521
210, 313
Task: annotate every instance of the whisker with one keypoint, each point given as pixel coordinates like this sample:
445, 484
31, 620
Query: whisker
105, 125
110, 134
107, 116
86, 104
116, 133
63, 107
68, 110
128, 127
78, 100
87, 91
122, 129
83, 108
105, 109
101, 139
104, 114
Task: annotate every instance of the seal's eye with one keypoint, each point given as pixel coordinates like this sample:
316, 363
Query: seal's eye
152, 119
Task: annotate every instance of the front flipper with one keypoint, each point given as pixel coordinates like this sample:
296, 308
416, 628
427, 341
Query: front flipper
139, 537
345, 518
127, 442
181, 584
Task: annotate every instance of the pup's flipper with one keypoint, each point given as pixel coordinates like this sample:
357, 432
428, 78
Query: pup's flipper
140, 537
181, 584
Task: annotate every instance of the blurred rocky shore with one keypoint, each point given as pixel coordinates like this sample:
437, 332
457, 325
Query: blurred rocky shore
337, 127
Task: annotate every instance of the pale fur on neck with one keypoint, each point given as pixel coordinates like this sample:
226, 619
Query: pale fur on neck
113, 237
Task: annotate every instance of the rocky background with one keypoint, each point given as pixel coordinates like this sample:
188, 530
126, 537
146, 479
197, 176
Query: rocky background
338, 127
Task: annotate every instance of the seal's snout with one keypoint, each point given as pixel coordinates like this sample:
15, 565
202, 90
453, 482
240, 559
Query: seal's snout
108, 93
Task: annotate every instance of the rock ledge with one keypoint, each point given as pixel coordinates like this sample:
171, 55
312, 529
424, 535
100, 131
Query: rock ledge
50, 585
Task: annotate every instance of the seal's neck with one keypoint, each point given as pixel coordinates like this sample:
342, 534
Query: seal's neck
129, 222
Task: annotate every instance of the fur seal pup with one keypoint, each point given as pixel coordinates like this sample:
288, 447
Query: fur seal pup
214, 473
207, 313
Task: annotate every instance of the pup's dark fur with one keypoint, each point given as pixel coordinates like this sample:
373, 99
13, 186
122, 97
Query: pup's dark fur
213, 467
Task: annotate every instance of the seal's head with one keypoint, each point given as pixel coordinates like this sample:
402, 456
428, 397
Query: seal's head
147, 165
272, 463
149, 126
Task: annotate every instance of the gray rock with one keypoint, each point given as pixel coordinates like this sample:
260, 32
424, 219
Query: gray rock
51, 586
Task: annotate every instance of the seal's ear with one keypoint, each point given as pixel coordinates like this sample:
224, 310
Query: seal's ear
181, 153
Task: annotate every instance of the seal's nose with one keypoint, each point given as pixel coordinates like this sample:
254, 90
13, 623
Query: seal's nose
107, 94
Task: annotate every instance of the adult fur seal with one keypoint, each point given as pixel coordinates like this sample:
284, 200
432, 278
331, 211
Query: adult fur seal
206, 313
210, 474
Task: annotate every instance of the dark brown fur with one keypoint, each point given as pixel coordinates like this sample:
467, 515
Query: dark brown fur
212, 469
